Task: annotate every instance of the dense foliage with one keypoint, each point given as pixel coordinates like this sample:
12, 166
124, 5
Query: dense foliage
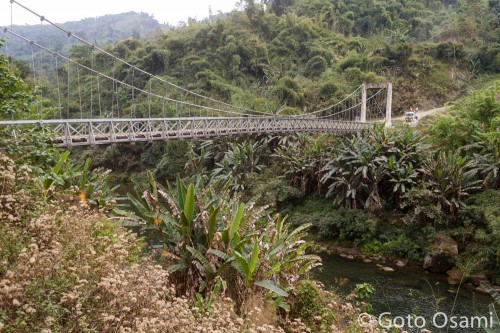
66, 267
14, 94
392, 191
206, 238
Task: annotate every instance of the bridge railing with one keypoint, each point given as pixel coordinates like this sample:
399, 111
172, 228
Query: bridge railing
85, 132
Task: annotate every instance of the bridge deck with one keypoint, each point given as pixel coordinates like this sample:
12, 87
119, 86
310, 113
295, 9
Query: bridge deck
83, 132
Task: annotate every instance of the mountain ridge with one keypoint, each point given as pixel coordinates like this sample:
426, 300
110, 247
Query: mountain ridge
102, 30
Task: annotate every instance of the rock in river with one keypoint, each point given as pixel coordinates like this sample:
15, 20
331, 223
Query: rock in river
401, 263
440, 258
454, 276
385, 269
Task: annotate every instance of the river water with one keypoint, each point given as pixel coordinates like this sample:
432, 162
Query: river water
406, 292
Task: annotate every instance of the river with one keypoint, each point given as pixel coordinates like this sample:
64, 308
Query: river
407, 292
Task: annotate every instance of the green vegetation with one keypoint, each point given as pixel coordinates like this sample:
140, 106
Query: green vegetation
208, 211
365, 290
14, 95
205, 236
309, 305
66, 265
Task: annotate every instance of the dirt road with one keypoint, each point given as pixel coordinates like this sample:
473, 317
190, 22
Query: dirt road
422, 114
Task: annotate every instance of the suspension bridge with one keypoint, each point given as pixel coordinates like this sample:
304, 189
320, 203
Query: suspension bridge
100, 98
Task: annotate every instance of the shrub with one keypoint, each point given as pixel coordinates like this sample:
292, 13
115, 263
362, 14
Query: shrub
268, 189
14, 93
365, 290
403, 247
172, 162
309, 305
372, 246
479, 231
449, 51
328, 90
315, 66
422, 208
81, 273
313, 210
288, 92
354, 226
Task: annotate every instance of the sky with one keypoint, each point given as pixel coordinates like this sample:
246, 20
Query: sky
60, 11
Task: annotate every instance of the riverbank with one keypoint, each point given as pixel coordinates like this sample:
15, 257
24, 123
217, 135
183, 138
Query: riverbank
454, 279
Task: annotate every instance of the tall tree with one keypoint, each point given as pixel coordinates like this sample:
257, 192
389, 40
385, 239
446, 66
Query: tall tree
14, 93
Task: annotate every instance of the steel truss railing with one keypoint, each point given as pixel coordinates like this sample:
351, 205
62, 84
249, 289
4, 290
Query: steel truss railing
90, 132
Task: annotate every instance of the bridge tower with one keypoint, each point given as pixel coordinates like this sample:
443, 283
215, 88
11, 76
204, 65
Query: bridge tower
388, 108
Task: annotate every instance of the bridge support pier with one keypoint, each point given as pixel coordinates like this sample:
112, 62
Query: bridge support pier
388, 108
363, 103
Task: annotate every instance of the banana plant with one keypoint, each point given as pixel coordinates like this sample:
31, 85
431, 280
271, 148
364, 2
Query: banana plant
344, 177
285, 253
195, 215
274, 257
94, 186
148, 212
247, 263
238, 163
197, 159
59, 175
206, 303
451, 178
230, 234
402, 177
209, 236
305, 158
486, 152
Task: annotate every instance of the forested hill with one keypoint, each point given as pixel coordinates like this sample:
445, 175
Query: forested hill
101, 30
306, 54
298, 55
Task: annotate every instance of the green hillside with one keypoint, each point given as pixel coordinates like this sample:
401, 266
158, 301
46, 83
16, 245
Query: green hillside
228, 227
304, 55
